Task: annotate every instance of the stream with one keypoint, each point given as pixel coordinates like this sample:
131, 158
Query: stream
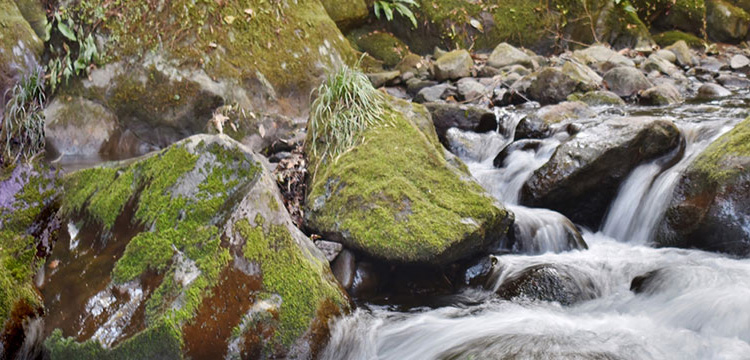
695, 304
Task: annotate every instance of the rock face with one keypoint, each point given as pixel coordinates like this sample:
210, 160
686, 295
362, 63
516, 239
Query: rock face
584, 173
710, 208
626, 81
464, 117
453, 65
164, 88
20, 49
546, 282
726, 22
188, 252
395, 197
27, 207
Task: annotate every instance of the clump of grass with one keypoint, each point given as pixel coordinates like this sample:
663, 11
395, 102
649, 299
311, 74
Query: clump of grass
22, 132
346, 105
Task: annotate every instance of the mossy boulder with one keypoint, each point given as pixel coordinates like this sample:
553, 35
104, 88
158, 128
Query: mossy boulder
709, 209
584, 173
27, 204
726, 22
381, 45
669, 38
34, 13
396, 198
164, 70
685, 15
184, 253
347, 13
20, 49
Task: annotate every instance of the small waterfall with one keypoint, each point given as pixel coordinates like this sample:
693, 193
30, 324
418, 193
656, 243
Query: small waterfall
645, 195
538, 231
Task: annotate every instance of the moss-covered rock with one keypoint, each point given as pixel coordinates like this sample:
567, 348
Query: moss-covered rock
597, 98
396, 198
34, 13
27, 198
20, 48
668, 38
346, 13
709, 209
685, 15
188, 252
726, 22
167, 68
453, 65
381, 45
77, 126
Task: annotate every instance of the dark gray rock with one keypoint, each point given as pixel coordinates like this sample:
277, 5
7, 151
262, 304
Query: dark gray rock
329, 249
435, 93
344, 269
548, 282
464, 117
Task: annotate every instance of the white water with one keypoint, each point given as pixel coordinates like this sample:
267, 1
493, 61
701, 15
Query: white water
698, 307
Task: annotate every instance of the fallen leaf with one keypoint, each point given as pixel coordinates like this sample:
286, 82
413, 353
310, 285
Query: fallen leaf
229, 19
477, 25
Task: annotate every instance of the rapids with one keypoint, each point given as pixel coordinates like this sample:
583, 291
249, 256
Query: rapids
694, 304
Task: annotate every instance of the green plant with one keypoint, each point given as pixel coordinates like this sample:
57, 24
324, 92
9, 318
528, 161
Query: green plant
400, 6
22, 130
345, 106
74, 44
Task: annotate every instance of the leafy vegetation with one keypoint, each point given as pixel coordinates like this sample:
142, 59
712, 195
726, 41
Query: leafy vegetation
75, 53
387, 7
22, 132
346, 105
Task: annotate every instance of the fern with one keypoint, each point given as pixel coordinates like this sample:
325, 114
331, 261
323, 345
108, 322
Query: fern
387, 8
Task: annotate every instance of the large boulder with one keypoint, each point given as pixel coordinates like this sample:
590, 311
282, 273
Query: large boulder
710, 208
165, 80
185, 253
20, 49
626, 81
583, 175
27, 208
395, 197
78, 127
726, 22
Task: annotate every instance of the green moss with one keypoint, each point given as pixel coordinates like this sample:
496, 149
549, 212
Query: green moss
381, 45
670, 37
347, 13
161, 341
298, 278
396, 198
14, 29
716, 162
229, 39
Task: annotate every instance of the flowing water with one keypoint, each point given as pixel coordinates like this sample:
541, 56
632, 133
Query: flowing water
693, 304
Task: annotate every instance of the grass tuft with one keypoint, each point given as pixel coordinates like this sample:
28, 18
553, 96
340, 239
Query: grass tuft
346, 105
22, 131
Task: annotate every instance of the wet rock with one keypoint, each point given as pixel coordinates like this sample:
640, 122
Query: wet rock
712, 91
464, 117
519, 145
435, 93
78, 127
538, 125
710, 208
584, 173
538, 231
733, 82
739, 61
344, 269
367, 281
647, 283
199, 233
453, 65
598, 98
383, 78
601, 54
329, 249
478, 271
472, 91
662, 94
626, 81
421, 210
547, 282
506, 55
682, 53
713, 65
28, 204
726, 22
